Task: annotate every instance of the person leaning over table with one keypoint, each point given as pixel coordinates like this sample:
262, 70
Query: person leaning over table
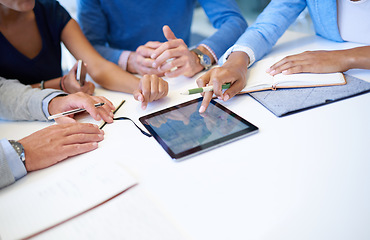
129, 33
31, 32
51, 144
339, 21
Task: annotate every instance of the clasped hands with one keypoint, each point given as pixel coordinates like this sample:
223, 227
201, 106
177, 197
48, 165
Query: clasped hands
170, 59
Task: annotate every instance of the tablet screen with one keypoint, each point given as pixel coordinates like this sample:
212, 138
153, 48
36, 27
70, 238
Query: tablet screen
183, 131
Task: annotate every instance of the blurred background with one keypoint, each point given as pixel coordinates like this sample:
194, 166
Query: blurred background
201, 27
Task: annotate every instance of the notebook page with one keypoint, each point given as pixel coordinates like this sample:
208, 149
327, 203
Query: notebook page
308, 79
257, 78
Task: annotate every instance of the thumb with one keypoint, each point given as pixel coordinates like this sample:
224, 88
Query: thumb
168, 33
235, 88
138, 96
74, 68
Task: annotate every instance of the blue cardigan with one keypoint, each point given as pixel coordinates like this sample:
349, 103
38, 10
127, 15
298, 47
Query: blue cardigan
279, 15
115, 25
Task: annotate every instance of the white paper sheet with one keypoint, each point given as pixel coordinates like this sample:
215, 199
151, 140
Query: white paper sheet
132, 215
47, 197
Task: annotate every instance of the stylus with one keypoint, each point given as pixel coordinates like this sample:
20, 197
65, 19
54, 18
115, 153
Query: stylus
203, 89
72, 111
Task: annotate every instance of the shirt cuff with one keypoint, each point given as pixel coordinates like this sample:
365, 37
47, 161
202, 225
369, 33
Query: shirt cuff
239, 48
46, 101
14, 162
123, 59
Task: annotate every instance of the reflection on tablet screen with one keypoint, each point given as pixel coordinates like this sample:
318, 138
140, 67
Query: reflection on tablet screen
182, 128
185, 128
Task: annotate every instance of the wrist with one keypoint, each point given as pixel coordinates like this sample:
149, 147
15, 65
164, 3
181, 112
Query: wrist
131, 62
198, 66
202, 60
53, 105
349, 59
61, 83
123, 59
208, 51
42, 85
239, 61
19, 149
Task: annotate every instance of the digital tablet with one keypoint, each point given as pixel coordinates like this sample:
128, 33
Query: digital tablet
183, 132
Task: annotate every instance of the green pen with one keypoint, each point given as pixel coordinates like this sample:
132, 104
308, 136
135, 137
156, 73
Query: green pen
204, 89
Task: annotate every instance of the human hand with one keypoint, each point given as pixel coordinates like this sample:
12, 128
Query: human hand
234, 71
173, 58
70, 85
81, 100
311, 62
140, 61
58, 142
151, 88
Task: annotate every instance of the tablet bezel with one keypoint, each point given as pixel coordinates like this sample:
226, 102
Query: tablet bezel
204, 147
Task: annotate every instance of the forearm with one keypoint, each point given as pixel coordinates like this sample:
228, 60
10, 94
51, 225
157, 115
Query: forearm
225, 37
53, 83
111, 54
112, 77
21, 102
103, 72
358, 57
227, 18
270, 26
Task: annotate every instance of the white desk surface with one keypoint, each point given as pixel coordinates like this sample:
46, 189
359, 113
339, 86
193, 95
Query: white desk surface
304, 176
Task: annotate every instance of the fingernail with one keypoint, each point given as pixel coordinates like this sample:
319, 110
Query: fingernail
153, 56
285, 72
154, 65
268, 70
202, 109
143, 107
101, 136
140, 98
272, 72
95, 144
226, 97
101, 131
219, 97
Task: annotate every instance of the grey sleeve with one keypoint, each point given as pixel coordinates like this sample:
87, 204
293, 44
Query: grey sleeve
22, 102
6, 175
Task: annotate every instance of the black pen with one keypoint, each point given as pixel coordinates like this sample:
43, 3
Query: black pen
72, 111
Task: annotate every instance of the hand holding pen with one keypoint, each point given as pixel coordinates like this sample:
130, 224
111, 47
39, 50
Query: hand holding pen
78, 102
204, 89
233, 71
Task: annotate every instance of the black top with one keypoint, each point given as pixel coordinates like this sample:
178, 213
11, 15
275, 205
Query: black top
51, 19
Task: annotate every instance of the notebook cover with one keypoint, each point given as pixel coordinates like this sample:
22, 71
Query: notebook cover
282, 102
